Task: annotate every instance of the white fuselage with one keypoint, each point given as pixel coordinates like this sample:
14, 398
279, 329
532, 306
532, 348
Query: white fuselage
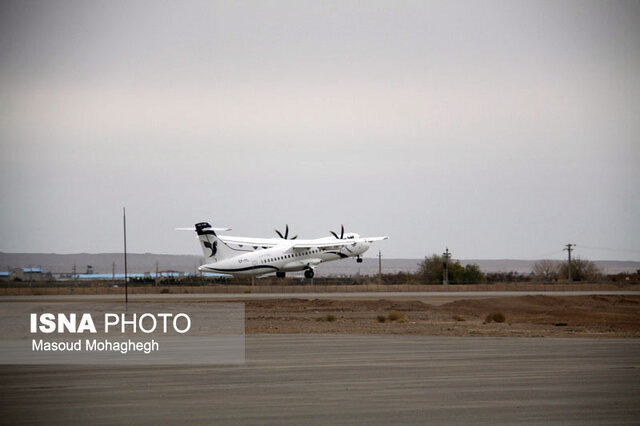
282, 259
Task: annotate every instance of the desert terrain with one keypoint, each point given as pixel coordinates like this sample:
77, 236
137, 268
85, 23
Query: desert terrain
517, 316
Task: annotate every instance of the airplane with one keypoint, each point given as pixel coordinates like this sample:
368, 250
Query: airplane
263, 256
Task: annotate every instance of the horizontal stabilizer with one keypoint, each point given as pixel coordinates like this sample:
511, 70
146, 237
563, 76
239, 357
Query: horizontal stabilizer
193, 229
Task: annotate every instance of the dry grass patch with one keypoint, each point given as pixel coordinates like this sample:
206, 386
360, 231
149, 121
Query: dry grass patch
495, 317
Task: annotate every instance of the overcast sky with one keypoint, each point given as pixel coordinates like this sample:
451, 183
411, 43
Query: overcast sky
498, 129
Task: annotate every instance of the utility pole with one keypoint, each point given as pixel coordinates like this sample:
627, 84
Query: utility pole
445, 276
568, 248
113, 273
124, 229
156, 282
380, 264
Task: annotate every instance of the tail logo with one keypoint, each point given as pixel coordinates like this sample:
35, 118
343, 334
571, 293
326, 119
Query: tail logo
213, 247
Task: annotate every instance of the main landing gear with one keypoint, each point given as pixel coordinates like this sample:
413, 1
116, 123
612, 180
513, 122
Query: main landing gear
359, 259
308, 273
280, 274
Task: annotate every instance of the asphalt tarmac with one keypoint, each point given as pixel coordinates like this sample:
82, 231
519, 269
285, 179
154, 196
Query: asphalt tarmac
412, 295
342, 379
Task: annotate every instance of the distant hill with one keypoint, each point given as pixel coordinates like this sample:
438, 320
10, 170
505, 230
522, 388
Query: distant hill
146, 262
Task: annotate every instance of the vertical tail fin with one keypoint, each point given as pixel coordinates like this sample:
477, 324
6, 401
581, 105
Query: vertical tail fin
213, 248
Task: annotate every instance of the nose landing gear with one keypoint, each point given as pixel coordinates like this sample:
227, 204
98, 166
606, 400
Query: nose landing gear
359, 259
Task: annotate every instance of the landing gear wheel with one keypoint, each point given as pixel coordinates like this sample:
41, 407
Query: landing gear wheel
359, 259
308, 273
280, 274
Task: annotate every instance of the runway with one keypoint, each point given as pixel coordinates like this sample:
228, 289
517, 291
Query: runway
426, 296
339, 379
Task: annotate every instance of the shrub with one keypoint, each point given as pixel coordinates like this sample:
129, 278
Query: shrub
165, 291
394, 316
431, 270
495, 317
328, 318
382, 318
581, 270
458, 318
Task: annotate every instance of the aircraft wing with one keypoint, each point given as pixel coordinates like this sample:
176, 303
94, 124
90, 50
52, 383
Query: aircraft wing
250, 241
372, 239
335, 243
309, 245
296, 244
284, 244
326, 242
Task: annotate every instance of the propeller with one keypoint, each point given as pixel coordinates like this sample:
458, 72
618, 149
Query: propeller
341, 233
286, 234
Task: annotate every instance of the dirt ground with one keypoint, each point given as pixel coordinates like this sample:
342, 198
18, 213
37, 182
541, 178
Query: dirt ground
525, 316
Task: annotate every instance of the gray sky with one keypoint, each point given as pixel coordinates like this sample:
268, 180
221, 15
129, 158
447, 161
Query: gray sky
501, 129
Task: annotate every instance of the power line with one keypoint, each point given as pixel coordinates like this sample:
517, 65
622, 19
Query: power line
610, 249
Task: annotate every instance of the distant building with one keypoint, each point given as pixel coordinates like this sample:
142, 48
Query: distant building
26, 274
4, 276
105, 277
170, 274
